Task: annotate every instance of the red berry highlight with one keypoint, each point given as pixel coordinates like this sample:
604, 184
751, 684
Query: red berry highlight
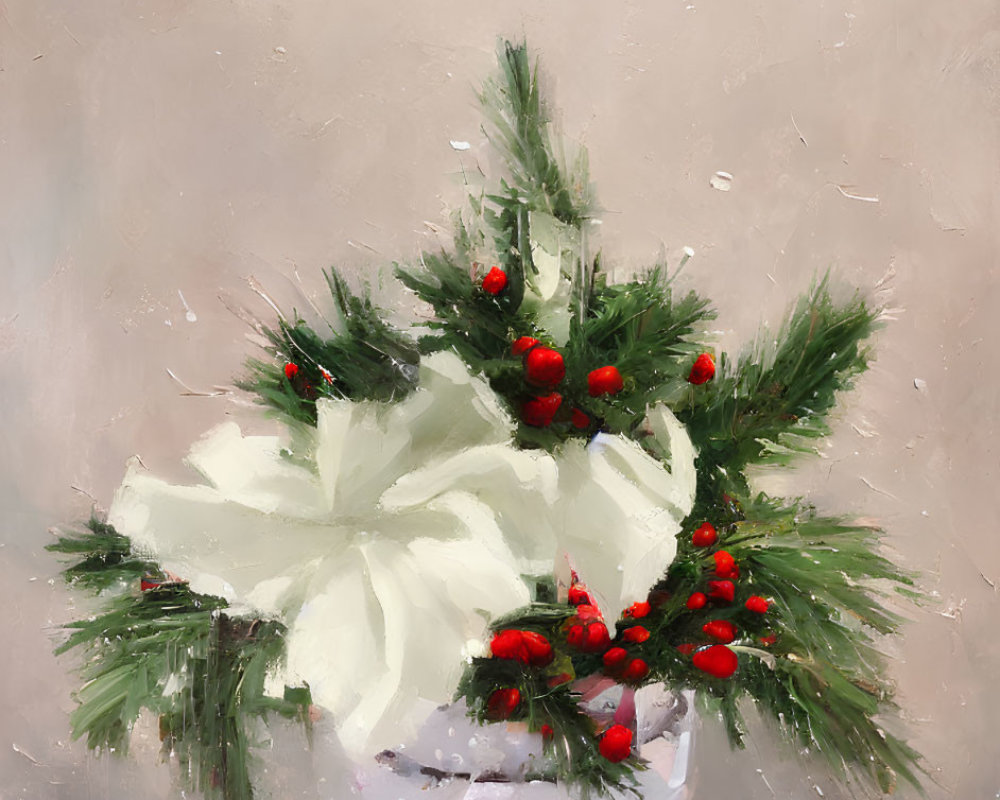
703, 369
722, 630
539, 411
502, 703
721, 590
705, 536
544, 367
757, 604
616, 743
635, 635
495, 281
606, 380
637, 610
718, 661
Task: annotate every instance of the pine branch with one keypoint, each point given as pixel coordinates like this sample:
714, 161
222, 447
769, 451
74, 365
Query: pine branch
176, 653
366, 360
772, 401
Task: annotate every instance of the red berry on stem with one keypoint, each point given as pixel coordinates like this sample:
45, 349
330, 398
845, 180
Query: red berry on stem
721, 590
579, 419
544, 367
509, 644
722, 630
718, 661
685, 649
757, 604
635, 670
696, 601
614, 658
523, 345
606, 380
705, 536
725, 565
538, 648
546, 731
495, 281
502, 703
596, 638
585, 612
703, 369
539, 411
291, 370
637, 610
636, 634
616, 743
574, 635
578, 595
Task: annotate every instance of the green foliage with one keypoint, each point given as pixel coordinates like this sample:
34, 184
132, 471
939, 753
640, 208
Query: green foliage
770, 403
366, 360
107, 559
177, 654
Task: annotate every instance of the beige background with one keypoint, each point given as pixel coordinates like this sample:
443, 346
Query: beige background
154, 146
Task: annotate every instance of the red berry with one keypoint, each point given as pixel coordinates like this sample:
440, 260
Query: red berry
614, 658
502, 703
718, 661
546, 731
291, 370
721, 590
495, 281
578, 595
767, 641
725, 565
616, 743
696, 601
579, 419
527, 647
703, 369
722, 630
636, 634
685, 649
539, 650
637, 610
757, 604
606, 380
596, 638
635, 671
539, 411
523, 345
705, 536
509, 644
544, 367
574, 635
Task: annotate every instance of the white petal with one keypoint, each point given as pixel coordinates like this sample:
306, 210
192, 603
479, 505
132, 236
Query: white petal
201, 536
619, 522
520, 486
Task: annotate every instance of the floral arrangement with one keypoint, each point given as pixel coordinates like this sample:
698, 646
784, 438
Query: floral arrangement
549, 484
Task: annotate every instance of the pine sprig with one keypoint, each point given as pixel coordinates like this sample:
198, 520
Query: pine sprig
106, 557
772, 401
366, 359
177, 654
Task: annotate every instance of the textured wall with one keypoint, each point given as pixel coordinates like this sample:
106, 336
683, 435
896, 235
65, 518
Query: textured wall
154, 147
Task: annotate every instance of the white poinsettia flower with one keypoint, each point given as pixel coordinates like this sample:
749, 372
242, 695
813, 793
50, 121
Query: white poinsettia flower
402, 530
